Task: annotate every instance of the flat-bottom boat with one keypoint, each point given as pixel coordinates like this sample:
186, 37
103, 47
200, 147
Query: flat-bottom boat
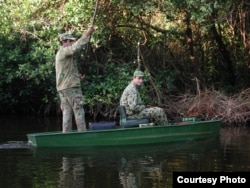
121, 136
129, 132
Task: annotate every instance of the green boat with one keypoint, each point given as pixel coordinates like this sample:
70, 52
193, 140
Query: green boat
127, 136
128, 132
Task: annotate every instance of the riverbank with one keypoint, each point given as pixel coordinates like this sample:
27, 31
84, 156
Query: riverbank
208, 104
232, 110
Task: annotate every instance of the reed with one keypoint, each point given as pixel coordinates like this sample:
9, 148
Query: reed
211, 104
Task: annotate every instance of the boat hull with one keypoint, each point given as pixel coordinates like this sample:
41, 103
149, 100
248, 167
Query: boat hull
127, 136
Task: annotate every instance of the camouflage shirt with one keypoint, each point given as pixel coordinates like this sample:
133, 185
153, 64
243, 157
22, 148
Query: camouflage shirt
67, 74
131, 100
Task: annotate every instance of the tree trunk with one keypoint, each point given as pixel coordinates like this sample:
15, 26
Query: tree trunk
223, 50
189, 37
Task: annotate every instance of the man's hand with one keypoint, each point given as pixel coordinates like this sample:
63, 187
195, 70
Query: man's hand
90, 30
82, 77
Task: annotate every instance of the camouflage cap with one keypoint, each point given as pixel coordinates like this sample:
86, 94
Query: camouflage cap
138, 73
66, 36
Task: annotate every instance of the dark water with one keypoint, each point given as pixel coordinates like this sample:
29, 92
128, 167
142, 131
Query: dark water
112, 167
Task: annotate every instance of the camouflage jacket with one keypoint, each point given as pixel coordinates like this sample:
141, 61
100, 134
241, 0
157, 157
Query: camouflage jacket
131, 100
67, 74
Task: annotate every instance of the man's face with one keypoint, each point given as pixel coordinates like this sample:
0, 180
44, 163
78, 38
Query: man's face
138, 81
67, 42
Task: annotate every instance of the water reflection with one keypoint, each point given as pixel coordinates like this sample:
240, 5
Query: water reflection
133, 166
72, 172
86, 171
129, 174
236, 139
136, 173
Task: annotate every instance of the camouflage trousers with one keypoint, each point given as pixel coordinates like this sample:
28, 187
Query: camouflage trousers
154, 114
71, 103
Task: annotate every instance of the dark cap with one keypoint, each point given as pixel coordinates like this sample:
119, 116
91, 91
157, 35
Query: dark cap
66, 36
138, 73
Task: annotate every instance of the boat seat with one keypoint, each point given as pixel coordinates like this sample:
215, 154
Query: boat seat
102, 125
126, 122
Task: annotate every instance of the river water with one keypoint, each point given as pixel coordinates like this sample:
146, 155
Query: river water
112, 167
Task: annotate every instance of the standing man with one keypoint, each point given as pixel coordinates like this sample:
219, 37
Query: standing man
134, 106
68, 80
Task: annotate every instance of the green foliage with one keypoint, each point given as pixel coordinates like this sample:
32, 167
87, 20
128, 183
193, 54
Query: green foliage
177, 45
106, 88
